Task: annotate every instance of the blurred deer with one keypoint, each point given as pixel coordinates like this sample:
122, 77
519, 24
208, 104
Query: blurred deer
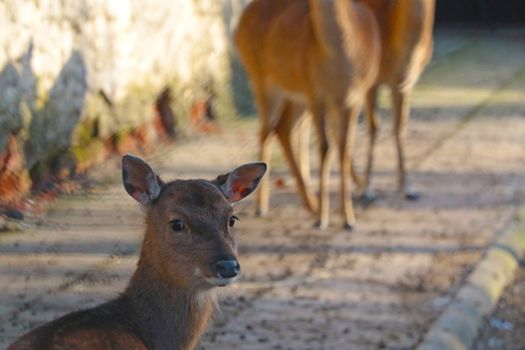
188, 250
406, 36
322, 54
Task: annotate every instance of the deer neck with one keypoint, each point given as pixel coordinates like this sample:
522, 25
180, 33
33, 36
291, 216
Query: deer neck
167, 316
332, 22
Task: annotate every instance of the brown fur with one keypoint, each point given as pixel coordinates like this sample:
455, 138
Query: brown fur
169, 300
406, 36
322, 54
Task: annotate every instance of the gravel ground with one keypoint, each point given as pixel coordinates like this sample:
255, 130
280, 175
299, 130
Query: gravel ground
379, 287
505, 328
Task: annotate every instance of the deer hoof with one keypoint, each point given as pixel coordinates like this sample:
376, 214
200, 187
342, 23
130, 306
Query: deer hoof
411, 195
321, 225
348, 227
261, 212
367, 198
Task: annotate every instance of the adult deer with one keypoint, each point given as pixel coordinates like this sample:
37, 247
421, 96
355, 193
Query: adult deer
406, 36
188, 250
322, 54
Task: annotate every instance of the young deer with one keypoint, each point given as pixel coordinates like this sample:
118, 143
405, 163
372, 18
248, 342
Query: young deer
322, 54
406, 36
188, 249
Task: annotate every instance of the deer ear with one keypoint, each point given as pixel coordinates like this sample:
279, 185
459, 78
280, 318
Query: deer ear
139, 180
241, 182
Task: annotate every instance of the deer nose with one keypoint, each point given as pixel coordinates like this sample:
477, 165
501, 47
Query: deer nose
227, 268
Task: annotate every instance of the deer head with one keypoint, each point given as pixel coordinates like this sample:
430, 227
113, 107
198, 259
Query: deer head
190, 224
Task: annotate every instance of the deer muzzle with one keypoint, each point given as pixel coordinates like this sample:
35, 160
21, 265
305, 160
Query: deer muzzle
227, 269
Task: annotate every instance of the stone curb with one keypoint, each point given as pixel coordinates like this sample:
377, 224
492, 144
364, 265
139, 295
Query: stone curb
457, 327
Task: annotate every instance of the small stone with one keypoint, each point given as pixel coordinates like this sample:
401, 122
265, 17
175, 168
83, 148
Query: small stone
501, 324
15, 214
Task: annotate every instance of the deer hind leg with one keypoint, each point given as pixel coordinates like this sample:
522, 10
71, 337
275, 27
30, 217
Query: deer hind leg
304, 127
400, 108
348, 118
325, 155
270, 107
289, 119
355, 177
372, 122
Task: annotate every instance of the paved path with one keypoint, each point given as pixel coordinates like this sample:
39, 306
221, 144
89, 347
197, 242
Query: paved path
379, 287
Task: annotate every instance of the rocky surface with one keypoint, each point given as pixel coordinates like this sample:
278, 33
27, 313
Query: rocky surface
75, 74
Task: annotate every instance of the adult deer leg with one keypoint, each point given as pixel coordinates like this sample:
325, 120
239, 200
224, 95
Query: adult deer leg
304, 145
372, 122
348, 118
325, 156
289, 118
270, 108
400, 108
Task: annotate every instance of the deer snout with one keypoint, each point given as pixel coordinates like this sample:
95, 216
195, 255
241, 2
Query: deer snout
227, 268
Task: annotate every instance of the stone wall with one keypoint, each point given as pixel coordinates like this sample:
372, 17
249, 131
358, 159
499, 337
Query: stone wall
75, 74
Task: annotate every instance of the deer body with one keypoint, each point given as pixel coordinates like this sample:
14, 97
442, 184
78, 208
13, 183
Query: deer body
318, 54
188, 250
123, 323
406, 36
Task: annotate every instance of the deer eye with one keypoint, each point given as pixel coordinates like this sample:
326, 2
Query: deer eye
177, 225
232, 220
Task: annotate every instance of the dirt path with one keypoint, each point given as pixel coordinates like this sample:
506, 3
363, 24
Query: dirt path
379, 287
